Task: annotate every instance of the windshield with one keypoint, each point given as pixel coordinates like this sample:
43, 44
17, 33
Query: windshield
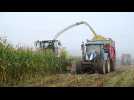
93, 48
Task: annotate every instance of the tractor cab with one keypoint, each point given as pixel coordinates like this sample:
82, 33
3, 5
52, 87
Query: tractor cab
97, 55
92, 50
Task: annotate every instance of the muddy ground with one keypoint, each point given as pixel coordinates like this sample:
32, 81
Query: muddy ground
122, 77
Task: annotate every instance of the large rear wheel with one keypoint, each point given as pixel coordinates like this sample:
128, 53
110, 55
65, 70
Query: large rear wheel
79, 68
102, 67
108, 66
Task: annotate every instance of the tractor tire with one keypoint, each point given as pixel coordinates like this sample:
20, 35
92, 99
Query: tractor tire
112, 63
108, 66
102, 67
78, 68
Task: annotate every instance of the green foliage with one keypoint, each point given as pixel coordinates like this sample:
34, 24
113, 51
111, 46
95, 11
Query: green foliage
23, 63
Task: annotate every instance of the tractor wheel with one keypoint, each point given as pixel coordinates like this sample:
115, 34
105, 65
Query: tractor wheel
78, 68
102, 67
108, 66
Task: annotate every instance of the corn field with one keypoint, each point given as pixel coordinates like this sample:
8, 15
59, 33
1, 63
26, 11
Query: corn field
23, 63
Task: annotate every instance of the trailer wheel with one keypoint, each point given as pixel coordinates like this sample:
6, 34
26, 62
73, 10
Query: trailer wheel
112, 63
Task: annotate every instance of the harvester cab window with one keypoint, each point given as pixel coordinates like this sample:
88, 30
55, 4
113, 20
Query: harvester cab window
46, 44
50, 45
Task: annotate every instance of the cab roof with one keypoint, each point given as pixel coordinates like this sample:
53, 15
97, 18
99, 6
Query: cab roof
99, 42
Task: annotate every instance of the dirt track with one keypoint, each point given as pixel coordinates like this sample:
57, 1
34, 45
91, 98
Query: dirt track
123, 76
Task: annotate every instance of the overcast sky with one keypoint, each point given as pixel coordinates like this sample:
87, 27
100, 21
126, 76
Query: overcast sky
26, 27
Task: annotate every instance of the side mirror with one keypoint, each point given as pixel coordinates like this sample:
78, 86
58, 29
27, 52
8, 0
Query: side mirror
82, 45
